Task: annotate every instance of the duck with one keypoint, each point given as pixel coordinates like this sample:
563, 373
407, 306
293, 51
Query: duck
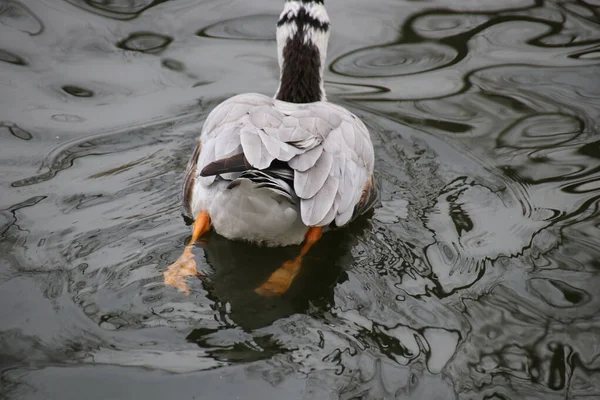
281, 170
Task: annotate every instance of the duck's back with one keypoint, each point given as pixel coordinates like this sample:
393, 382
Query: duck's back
327, 148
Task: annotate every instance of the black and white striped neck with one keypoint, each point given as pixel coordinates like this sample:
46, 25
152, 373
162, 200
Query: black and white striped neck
302, 36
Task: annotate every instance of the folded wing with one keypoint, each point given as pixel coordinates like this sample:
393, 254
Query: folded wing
328, 148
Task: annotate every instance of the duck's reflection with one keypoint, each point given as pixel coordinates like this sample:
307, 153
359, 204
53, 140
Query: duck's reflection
238, 268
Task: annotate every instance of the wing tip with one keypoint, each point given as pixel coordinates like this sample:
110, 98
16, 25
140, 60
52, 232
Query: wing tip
236, 163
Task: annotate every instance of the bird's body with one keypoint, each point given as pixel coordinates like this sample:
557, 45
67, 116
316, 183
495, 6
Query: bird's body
276, 171
308, 166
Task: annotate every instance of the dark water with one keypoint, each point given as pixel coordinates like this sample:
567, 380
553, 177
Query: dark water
477, 277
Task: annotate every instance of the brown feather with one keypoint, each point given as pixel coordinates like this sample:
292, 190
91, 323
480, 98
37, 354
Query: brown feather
368, 198
236, 163
189, 181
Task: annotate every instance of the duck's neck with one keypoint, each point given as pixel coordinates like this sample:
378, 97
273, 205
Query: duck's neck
302, 36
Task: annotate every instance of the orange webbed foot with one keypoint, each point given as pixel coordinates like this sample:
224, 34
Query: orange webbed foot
182, 268
280, 280
186, 264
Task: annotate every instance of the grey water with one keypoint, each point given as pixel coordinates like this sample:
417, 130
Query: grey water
476, 277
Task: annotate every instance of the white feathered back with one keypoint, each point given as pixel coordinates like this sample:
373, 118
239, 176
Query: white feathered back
328, 148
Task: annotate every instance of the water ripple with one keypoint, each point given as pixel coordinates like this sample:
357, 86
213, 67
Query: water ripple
11, 58
541, 131
145, 42
252, 27
558, 293
77, 91
17, 15
117, 9
438, 26
173, 65
64, 155
394, 60
16, 131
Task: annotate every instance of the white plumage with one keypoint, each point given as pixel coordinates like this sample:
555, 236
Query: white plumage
326, 146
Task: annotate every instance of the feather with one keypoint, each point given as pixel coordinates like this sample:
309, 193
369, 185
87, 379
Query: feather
334, 141
227, 140
290, 122
273, 121
343, 218
274, 116
230, 176
323, 127
281, 133
207, 155
348, 134
309, 123
315, 209
254, 149
258, 117
215, 117
302, 139
236, 163
270, 179
306, 160
272, 144
236, 111
346, 184
309, 182
318, 152
330, 216
189, 180
328, 114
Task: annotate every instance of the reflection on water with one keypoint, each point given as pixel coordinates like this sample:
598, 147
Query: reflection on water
475, 278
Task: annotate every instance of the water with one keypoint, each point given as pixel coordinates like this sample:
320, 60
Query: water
477, 277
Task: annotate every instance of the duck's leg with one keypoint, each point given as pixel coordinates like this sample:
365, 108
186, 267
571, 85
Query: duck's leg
186, 265
280, 280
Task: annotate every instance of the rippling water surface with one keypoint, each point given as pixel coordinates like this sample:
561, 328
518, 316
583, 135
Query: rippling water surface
477, 277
